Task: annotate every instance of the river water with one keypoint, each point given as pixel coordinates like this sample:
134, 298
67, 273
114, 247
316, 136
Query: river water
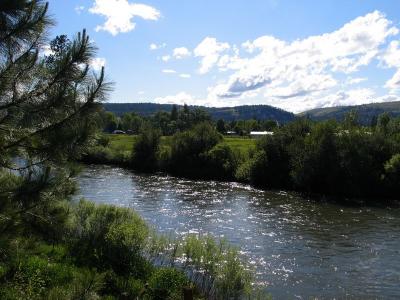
300, 249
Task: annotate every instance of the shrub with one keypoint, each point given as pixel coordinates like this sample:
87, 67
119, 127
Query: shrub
189, 150
145, 149
221, 162
392, 174
270, 163
167, 283
107, 236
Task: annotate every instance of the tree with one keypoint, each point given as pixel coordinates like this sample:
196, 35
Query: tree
315, 167
382, 123
174, 112
350, 120
189, 149
47, 109
221, 126
145, 149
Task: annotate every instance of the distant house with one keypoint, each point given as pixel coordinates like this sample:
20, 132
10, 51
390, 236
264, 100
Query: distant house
118, 132
231, 133
258, 134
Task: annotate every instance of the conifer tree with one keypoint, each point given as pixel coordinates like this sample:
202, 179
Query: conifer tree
47, 110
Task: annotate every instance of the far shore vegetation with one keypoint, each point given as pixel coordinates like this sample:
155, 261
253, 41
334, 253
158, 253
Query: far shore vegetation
339, 160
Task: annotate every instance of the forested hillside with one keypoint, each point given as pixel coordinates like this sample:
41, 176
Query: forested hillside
245, 112
366, 113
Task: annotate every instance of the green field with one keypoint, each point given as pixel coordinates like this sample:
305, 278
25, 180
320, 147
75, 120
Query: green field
241, 144
123, 142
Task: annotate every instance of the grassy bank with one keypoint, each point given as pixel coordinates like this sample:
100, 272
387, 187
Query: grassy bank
124, 142
106, 252
117, 148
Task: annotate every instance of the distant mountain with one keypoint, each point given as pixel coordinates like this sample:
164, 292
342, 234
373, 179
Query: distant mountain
365, 112
259, 112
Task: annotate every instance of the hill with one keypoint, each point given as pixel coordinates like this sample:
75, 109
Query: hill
366, 112
259, 112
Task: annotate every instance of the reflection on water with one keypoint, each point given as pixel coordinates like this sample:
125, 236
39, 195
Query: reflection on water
300, 248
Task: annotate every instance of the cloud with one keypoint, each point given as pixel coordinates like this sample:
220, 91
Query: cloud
394, 82
355, 80
120, 14
181, 52
154, 46
166, 58
305, 70
209, 50
185, 98
184, 75
180, 98
79, 9
46, 50
391, 59
168, 71
97, 63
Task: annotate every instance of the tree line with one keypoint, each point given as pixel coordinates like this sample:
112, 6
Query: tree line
178, 120
344, 160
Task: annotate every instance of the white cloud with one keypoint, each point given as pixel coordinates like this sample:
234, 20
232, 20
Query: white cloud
180, 98
97, 63
141, 92
356, 80
169, 71
297, 75
185, 98
46, 50
181, 52
394, 82
120, 14
391, 59
154, 46
209, 50
79, 9
166, 58
184, 75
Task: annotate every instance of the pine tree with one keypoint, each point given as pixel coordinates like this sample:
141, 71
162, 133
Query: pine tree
47, 110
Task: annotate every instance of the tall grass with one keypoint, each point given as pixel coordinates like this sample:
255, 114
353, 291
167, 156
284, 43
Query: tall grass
213, 266
110, 237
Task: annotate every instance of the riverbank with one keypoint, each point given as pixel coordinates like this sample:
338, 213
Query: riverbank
108, 252
298, 247
245, 160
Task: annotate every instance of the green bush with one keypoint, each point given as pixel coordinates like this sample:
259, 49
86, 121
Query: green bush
392, 174
145, 149
107, 236
166, 283
221, 161
189, 151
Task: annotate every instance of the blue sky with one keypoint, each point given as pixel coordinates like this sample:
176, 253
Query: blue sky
296, 55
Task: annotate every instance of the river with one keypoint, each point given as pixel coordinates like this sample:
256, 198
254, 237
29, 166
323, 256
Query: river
300, 248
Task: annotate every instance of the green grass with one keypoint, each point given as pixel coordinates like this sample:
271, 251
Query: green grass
242, 144
123, 142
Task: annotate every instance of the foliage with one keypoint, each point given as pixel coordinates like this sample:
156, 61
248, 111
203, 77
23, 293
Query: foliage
245, 112
108, 237
47, 109
145, 149
189, 150
367, 113
166, 283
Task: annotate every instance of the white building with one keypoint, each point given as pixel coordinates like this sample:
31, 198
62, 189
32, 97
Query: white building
257, 134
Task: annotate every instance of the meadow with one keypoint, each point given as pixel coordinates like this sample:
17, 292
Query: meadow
124, 142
